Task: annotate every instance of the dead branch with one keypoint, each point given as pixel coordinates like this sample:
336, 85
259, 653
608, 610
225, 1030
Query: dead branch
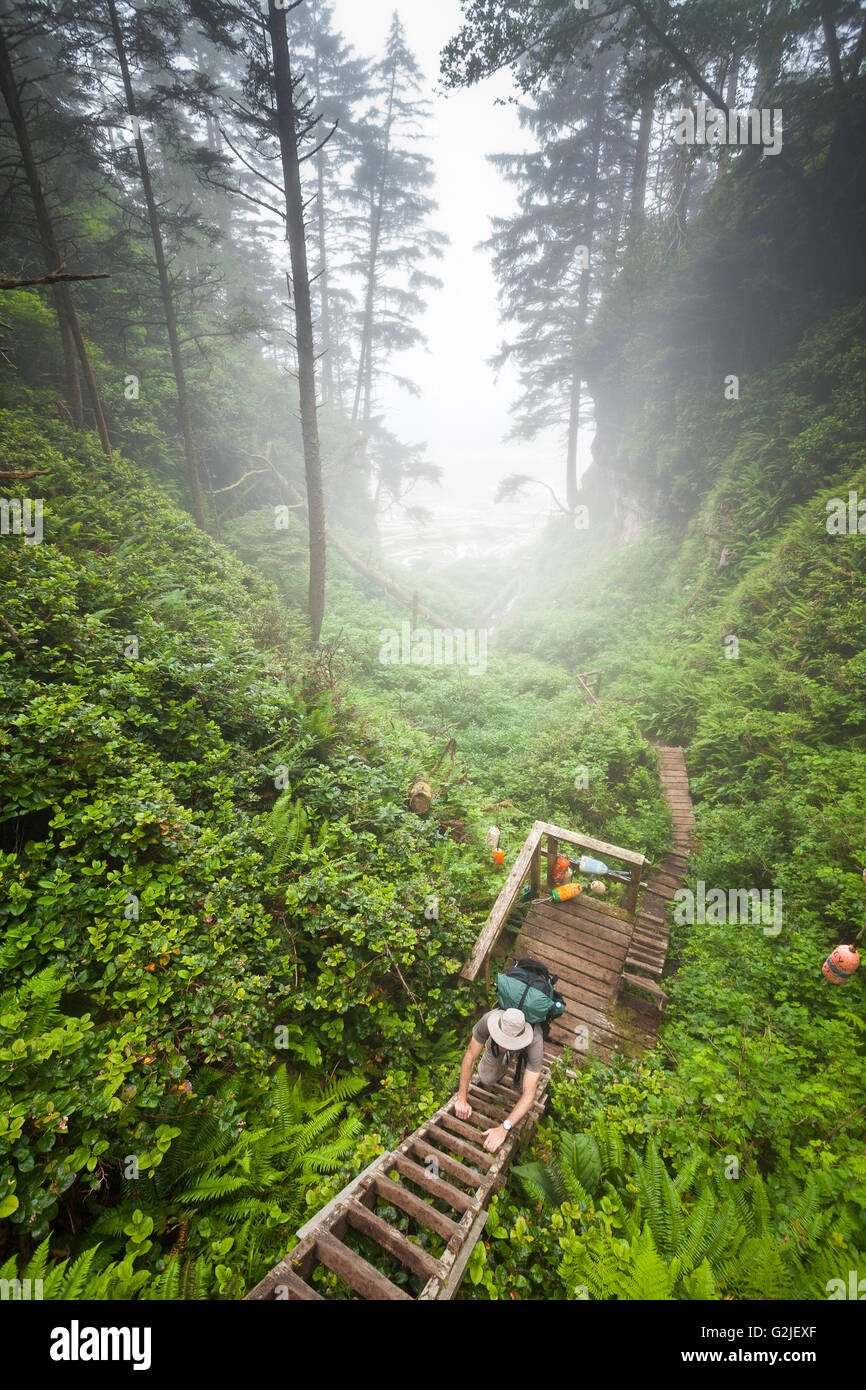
54, 277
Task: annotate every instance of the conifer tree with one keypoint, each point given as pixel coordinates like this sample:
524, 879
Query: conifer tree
392, 210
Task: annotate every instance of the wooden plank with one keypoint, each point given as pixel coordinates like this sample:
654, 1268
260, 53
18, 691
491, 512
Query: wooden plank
490, 1103
465, 1130
503, 905
576, 957
483, 1114
594, 931
637, 872
628, 1034
635, 982
392, 1240
422, 1148
458, 1146
668, 880
413, 1205
590, 954
437, 1187
597, 846
583, 684
535, 871
355, 1271
596, 911
578, 1012
647, 985
586, 954
585, 922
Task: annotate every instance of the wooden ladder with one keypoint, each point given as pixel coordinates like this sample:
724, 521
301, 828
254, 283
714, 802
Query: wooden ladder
436, 1184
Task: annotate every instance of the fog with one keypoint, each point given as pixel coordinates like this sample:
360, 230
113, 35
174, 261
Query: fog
463, 410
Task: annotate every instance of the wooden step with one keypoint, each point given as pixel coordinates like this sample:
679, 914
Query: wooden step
466, 1131
422, 1148
355, 1271
471, 1152
392, 1240
634, 964
648, 987
399, 1196
437, 1187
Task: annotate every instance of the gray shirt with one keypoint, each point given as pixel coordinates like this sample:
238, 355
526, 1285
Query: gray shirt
534, 1052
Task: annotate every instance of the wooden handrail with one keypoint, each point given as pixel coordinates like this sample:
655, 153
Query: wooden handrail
528, 863
525, 863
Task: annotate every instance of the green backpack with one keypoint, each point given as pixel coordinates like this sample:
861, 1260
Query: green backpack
528, 986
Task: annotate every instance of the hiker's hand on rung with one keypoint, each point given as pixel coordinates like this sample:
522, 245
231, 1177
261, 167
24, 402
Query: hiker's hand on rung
494, 1138
462, 1109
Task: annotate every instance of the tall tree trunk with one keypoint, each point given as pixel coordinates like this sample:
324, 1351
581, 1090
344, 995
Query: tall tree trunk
731, 98
288, 138
71, 337
572, 491
637, 213
831, 42
676, 213
325, 336
364, 383
164, 285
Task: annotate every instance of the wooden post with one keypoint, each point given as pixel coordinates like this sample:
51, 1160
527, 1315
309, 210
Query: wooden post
631, 896
535, 872
552, 852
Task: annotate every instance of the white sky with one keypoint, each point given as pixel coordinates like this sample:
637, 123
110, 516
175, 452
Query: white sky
463, 413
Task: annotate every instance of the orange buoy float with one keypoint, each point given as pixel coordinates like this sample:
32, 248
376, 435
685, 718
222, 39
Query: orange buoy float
840, 965
562, 870
568, 890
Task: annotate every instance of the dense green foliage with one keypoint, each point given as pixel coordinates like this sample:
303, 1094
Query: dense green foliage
229, 966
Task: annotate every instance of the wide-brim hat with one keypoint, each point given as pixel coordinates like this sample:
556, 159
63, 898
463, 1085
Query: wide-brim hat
508, 1028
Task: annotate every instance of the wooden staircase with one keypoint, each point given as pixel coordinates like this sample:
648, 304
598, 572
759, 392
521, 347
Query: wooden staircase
651, 936
405, 1227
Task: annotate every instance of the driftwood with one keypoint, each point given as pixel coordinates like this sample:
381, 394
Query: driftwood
420, 797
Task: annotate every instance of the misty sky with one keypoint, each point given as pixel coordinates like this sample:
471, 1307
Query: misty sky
463, 413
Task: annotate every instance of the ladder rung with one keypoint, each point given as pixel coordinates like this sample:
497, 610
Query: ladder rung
414, 1206
392, 1240
355, 1271
451, 1165
458, 1146
437, 1187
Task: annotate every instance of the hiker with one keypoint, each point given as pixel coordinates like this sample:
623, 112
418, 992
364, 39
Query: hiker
506, 1034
